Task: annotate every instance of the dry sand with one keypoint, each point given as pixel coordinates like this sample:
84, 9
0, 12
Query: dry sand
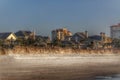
57, 67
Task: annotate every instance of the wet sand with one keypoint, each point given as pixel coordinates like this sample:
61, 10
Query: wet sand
58, 68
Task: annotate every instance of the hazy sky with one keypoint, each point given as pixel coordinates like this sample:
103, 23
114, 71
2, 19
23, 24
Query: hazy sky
46, 15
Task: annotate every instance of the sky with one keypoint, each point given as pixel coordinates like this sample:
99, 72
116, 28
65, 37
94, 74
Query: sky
43, 16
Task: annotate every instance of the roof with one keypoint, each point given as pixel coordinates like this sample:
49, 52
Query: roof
46, 37
42, 37
5, 35
117, 25
23, 33
96, 37
80, 34
38, 36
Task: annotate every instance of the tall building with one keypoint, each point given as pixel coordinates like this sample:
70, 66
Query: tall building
60, 34
115, 31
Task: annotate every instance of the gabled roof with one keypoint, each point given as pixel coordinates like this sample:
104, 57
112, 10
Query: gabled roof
95, 37
5, 35
80, 34
23, 33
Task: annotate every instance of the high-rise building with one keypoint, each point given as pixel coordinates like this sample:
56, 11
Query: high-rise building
115, 31
60, 34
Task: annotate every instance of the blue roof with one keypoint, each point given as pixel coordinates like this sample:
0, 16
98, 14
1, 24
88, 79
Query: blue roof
23, 33
95, 37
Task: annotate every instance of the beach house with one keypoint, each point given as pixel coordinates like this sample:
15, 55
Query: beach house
25, 34
7, 38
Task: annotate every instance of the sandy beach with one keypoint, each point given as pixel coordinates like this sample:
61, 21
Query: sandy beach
58, 67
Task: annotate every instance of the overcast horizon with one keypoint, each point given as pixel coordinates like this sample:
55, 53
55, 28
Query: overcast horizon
95, 16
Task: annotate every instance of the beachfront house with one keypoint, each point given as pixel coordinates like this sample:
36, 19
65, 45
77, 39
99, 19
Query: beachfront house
25, 34
42, 40
99, 41
79, 37
7, 38
95, 41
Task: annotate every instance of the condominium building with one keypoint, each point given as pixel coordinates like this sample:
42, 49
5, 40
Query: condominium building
60, 34
115, 31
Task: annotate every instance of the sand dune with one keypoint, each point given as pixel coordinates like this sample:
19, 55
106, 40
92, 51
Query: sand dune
37, 50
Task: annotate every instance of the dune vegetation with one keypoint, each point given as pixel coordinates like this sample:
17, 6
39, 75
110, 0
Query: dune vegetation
55, 50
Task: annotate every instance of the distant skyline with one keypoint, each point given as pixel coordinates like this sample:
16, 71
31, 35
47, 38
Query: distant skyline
45, 15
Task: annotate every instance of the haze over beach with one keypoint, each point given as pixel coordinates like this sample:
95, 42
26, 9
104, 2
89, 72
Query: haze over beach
59, 40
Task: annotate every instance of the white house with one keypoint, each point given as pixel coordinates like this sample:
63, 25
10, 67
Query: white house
8, 36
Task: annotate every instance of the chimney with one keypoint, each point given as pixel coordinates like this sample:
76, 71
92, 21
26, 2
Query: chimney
86, 34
